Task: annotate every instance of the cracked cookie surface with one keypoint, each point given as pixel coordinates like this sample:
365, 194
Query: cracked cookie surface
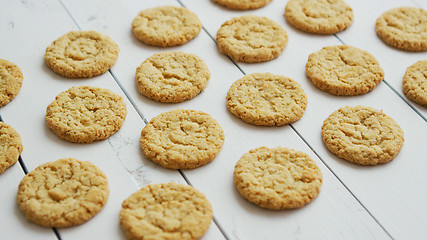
415, 82
362, 135
266, 99
182, 139
81, 54
63, 193
172, 77
85, 114
10, 146
166, 211
322, 17
344, 70
251, 39
243, 4
10, 81
404, 28
166, 26
277, 178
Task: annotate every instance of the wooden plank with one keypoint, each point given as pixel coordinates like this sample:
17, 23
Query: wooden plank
381, 189
334, 209
32, 26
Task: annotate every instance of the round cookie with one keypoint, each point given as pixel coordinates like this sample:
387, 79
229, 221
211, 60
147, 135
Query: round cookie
243, 4
182, 139
266, 99
10, 81
10, 146
277, 178
172, 77
251, 39
414, 83
404, 28
166, 26
166, 211
322, 17
81, 54
344, 70
85, 114
362, 135
63, 193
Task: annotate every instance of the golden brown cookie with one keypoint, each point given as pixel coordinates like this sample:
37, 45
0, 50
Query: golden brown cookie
404, 28
85, 114
362, 135
166, 26
266, 99
182, 139
251, 39
10, 146
344, 70
10, 81
63, 193
243, 4
166, 211
319, 16
415, 82
81, 54
172, 77
277, 178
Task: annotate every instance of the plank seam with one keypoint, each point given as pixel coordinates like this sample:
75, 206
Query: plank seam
25, 169
405, 100
141, 115
109, 70
214, 219
336, 176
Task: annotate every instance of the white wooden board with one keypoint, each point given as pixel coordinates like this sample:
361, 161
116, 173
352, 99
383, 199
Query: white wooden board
356, 202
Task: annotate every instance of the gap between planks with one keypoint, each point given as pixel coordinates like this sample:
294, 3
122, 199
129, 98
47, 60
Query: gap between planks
25, 170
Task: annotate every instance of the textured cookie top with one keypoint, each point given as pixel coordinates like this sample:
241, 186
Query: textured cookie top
63, 193
323, 17
243, 4
10, 81
277, 178
362, 135
266, 99
166, 26
85, 114
415, 82
81, 54
10, 146
182, 139
172, 77
404, 28
251, 39
344, 70
166, 211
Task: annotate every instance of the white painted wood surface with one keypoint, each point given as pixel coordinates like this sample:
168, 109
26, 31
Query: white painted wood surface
381, 202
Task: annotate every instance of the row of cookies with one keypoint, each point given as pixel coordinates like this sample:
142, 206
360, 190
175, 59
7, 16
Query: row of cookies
69, 192
248, 39
400, 27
